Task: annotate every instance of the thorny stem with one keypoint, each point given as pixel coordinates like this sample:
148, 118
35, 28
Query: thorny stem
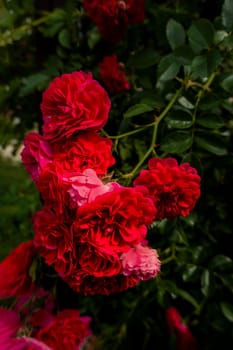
154, 135
200, 94
116, 137
205, 88
171, 257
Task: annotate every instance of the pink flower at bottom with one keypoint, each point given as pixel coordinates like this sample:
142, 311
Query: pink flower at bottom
184, 337
10, 325
67, 331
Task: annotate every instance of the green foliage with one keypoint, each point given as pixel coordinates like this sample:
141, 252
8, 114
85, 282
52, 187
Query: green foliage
18, 202
179, 64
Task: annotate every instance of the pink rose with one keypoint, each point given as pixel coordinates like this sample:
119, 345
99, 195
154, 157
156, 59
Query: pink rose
141, 261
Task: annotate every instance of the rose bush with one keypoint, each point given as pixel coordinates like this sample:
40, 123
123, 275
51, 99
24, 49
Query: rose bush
128, 182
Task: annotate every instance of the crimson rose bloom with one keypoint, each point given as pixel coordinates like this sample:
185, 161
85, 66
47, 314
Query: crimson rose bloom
14, 271
71, 103
87, 150
98, 262
184, 337
116, 220
174, 188
91, 285
112, 17
35, 154
113, 74
54, 189
54, 239
67, 331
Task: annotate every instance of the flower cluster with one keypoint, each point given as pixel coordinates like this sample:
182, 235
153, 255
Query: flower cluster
90, 230
112, 17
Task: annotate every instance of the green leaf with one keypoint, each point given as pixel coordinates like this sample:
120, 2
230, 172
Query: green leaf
152, 99
202, 66
33, 82
175, 34
137, 109
166, 226
227, 280
227, 311
191, 272
179, 119
199, 254
93, 37
219, 36
201, 35
173, 289
32, 270
176, 142
227, 14
186, 296
184, 54
207, 282
214, 58
191, 219
185, 102
227, 84
211, 121
168, 68
199, 68
64, 38
144, 58
211, 143
221, 263
194, 161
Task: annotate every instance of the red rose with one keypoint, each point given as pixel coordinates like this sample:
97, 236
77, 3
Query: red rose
71, 103
184, 337
136, 11
113, 17
90, 285
14, 271
115, 220
113, 74
87, 150
98, 262
68, 331
174, 188
54, 188
35, 154
54, 240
